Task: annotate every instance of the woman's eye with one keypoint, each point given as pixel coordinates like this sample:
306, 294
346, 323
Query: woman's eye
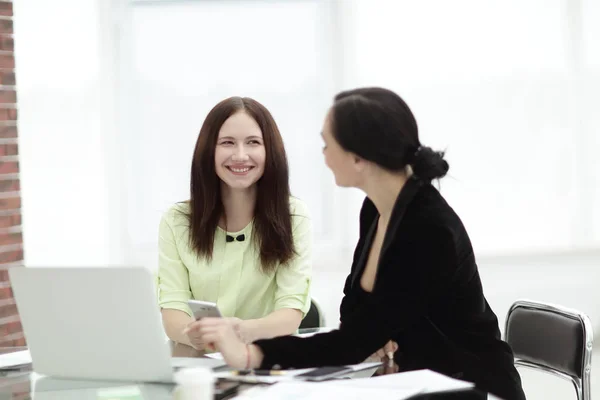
254, 142
227, 142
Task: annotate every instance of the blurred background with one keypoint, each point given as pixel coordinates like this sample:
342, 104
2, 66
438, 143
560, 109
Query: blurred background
112, 94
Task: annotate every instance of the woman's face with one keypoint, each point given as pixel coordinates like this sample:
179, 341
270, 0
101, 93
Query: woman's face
240, 153
341, 162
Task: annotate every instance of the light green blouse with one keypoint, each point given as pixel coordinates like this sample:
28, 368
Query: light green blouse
233, 278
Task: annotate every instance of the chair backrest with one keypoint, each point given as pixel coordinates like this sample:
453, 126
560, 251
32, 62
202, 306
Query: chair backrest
553, 339
314, 317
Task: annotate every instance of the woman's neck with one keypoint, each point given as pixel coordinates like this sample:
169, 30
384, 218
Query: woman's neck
383, 190
238, 207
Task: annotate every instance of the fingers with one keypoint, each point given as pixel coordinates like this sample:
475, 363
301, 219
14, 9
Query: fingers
391, 346
391, 368
389, 349
204, 322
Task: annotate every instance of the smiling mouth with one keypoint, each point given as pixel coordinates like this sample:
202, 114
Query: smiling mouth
240, 170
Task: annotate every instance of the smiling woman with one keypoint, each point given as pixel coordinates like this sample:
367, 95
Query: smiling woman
240, 240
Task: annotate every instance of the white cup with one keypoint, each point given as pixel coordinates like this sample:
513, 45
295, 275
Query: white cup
195, 383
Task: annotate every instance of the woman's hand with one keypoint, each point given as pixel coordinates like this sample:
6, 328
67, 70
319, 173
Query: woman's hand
220, 333
386, 355
194, 338
386, 351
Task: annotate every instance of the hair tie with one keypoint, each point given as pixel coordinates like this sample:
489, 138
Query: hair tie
415, 156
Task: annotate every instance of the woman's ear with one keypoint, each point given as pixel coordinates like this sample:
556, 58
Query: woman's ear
359, 163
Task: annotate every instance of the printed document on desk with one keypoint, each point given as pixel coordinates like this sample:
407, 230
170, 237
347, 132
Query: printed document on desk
293, 390
15, 359
428, 380
289, 375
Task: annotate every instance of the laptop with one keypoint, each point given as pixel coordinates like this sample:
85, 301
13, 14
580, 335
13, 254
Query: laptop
97, 323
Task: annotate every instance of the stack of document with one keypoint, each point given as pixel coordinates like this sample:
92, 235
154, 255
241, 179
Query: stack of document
15, 360
391, 387
325, 390
289, 375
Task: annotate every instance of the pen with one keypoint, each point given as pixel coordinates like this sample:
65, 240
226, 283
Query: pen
263, 372
258, 372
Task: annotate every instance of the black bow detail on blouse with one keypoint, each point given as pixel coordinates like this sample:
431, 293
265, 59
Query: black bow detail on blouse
239, 238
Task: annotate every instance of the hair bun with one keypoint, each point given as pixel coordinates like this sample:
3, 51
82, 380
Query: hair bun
428, 164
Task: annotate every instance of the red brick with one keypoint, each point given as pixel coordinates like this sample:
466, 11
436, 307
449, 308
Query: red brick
11, 203
11, 238
9, 185
7, 43
9, 167
20, 343
7, 77
11, 256
7, 61
15, 326
6, 221
8, 149
8, 311
6, 8
6, 26
4, 275
8, 114
8, 96
7, 131
6, 293
9, 340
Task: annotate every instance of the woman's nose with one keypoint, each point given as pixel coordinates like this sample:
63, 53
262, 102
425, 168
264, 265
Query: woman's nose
240, 154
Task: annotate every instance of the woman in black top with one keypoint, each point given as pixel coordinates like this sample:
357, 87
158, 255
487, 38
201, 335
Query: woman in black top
414, 280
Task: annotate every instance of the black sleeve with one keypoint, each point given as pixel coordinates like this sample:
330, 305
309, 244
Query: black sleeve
409, 275
344, 305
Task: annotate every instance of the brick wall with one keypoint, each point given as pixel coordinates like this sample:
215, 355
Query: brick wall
11, 239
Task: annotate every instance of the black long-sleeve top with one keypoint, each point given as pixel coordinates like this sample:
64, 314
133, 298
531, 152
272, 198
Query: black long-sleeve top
427, 296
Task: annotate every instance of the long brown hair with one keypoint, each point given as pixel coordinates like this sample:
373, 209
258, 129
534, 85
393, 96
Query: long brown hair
272, 231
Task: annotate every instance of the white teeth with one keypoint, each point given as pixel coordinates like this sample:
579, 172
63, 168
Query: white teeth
239, 170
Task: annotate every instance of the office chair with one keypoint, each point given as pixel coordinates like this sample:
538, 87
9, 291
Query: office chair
314, 317
552, 339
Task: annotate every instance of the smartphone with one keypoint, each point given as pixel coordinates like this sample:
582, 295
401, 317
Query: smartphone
323, 373
203, 309
225, 389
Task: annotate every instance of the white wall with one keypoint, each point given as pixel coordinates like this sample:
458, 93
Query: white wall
505, 88
64, 133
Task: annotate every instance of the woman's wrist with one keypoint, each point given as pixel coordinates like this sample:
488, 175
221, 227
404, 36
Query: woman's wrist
245, 331
255, 356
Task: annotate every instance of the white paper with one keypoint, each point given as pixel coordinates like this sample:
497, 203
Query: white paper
430, 381
14, 359
288, 375
326, 391
217, 355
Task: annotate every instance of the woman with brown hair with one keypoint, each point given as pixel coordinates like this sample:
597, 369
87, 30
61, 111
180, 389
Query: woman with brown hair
241, 241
